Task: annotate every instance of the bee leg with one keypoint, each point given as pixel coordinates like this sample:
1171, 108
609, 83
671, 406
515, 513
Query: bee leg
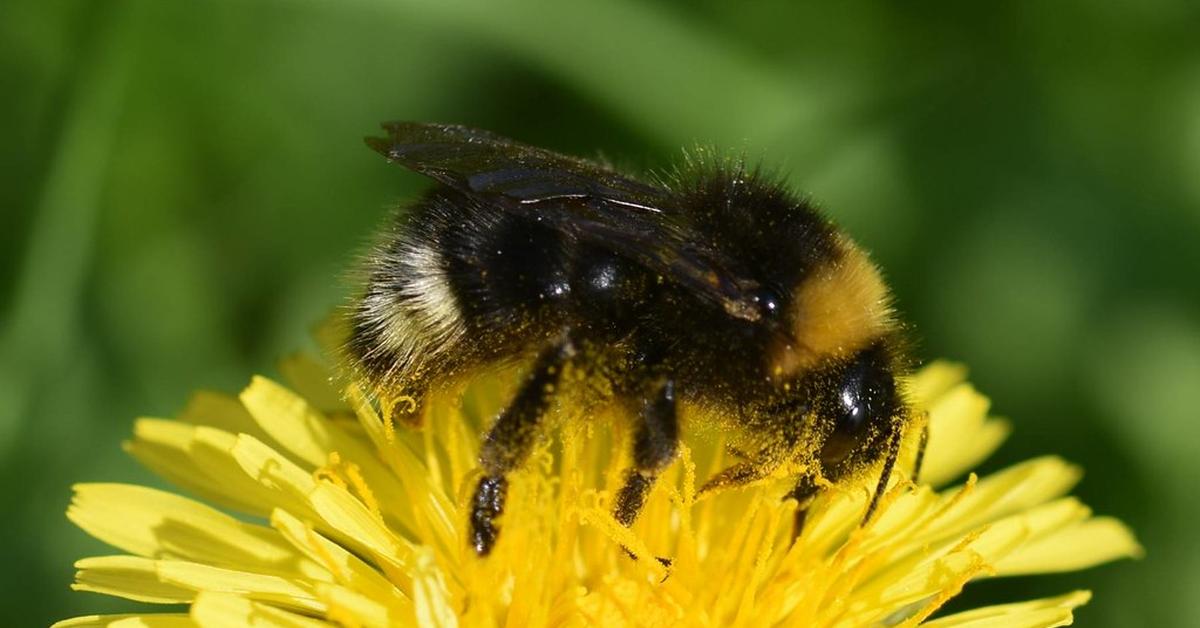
893, 445
654, 446
804, 492
510, 440
742, 473
737, 452
921, 444
806, 489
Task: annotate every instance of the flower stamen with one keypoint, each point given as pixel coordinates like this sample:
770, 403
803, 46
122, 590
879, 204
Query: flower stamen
347, 476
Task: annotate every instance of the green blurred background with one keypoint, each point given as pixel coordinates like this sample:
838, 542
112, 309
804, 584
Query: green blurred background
184, 183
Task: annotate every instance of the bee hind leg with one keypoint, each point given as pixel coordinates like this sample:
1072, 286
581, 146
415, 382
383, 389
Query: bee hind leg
510, 440
655, 444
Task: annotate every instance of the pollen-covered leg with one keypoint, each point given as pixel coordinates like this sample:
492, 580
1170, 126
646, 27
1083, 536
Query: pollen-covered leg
807, 490
752, 470
804, 493
654, 446
510, 440
921, 445
889, 463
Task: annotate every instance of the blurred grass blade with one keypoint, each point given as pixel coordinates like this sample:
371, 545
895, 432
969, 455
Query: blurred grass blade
666, 74
42, 325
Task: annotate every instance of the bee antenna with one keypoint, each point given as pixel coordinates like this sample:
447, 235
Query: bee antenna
889, 463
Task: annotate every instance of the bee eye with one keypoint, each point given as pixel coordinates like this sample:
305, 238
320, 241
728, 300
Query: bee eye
867, 391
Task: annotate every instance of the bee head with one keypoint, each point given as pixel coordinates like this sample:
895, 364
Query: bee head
835, 310
838, 351
858, 403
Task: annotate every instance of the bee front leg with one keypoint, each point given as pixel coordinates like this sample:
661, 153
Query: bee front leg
806, 487
654, 446
804, 493
510, 440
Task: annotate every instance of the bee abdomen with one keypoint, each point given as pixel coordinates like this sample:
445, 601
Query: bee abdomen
458, 285
408, 326
511, 277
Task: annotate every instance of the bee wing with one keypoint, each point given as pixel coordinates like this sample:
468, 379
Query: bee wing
476, 161
576, 196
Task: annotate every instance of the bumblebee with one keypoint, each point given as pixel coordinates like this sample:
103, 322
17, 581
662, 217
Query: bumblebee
715, 289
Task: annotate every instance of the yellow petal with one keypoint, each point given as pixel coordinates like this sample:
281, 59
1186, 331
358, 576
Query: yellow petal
351, 524
130, 577
1044, 613
311, 379
920, 566
1017, 488
935, 380
245, 464
350, 608
311, 437
1031, 524
928, 573
165, 447
348, 569
175, 581
158, 524
433, 608
1086, 544
223, 412
163, 620
1049, 519
961, 434
294, 593
260, 469
290, 420
220, 610
237, 470
433, 510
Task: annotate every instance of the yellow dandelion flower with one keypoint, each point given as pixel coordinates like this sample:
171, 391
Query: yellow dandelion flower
353, 523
